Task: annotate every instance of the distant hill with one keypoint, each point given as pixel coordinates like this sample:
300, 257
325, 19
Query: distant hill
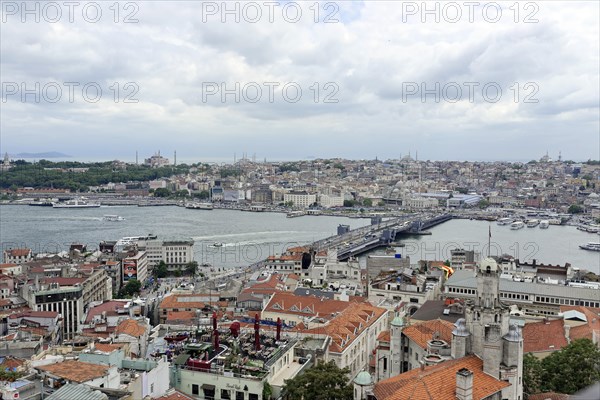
49, 154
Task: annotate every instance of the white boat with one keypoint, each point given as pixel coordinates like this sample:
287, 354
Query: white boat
79, 202
593, 246
517, 225
216, 244
113, 218
199, 206
554, 221
544, 224
504, 221
532, 223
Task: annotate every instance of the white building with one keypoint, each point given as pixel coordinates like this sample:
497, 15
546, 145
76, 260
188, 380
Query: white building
420, 202
135, 267
17, 256
328, 201
300, 199
176, 253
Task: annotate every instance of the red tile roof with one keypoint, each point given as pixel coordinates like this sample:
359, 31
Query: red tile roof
423, 332
18, 252
349, 324
438, 382
110, 307
130, 327
174, 394
544, 336
76, 371
34, 314
289, 303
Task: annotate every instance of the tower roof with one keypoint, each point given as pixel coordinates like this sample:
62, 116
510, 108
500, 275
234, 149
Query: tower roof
363, 379
398, 321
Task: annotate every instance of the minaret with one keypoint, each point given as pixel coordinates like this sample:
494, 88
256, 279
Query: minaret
136, 157
175, 157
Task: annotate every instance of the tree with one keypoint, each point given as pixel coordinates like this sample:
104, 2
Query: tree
162, 192
483, 204
133, 286
289, 204
575, 209
267, 391
532, 375
368, 203
572, 368
161, 270
324, 381
349, 203
191, 268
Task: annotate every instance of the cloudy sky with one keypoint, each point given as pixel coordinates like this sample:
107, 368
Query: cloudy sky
294, 80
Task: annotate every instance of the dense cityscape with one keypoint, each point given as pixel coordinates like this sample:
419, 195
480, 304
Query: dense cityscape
299, 200
349, 316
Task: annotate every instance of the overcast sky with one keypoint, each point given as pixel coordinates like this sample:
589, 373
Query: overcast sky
362, 68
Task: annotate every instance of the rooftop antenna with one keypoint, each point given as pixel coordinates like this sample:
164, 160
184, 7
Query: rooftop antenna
175, 157
489, 239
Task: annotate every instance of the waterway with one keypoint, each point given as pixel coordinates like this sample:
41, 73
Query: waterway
250, 237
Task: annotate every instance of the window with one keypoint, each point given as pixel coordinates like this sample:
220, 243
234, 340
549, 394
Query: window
225, 394
195, 389
252, 396
239, 395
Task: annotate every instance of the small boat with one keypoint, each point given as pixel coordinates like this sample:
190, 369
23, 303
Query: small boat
517, 225
199, 206
544, 224
532, 223
554, 221
504, 221
216, 244
113, 218
593, 246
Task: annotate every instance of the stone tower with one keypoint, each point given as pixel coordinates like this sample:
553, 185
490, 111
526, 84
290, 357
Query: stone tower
396, 352
487, 321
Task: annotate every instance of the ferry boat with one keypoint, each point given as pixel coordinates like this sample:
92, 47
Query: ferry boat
593, 246
113, 218
532, 223
544, 224
517, 225
294, 214
76, 203
504, 221
199, 206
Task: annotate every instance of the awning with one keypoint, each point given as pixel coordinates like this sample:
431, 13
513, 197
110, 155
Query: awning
206, 386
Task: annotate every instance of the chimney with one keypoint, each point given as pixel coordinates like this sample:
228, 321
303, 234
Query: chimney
464, 384
278, 338
256, 333
567, 332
